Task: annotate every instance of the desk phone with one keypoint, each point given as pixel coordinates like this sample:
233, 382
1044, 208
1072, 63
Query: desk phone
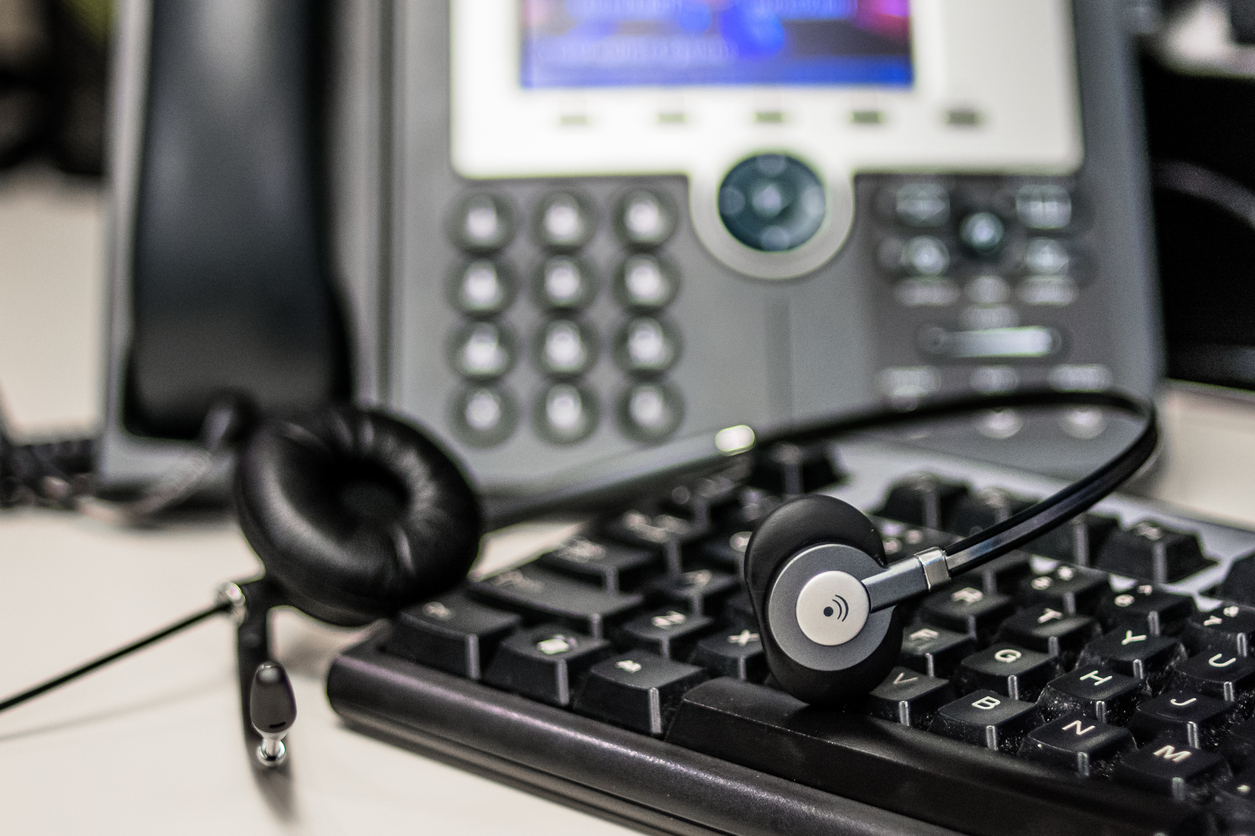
569, 235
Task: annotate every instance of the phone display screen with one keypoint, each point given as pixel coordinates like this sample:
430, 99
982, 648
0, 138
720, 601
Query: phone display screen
639, 43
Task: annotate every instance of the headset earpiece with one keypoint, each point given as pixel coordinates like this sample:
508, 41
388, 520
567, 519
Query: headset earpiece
803, 566
354, 514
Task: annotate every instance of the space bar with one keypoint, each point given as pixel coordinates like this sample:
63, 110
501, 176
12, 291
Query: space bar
909, 771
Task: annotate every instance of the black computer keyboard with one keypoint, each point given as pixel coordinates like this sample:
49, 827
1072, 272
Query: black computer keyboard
1098, 682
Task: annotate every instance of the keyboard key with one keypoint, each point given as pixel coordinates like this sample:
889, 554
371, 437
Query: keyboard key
901, 539
541, 595
663, 533
1147, 609
738, 611
545, 663
701, 590
1152, 551
1226, 676
1239, 745
611, 566
751, 507
1191, 718
792, 470
668, 632
984, 718
1077, 541
726, 550
934, 651
637, 690
922, 499
1234, 803
1227, 628
1006, 573
1077, 742
1018, 673
909, 697
1172, 769
737, 653
1239, 584
1067, 588
1135, 653
1047, 630
977, 511
871, 761
967, 609
450, 633
701, 500
1093, 691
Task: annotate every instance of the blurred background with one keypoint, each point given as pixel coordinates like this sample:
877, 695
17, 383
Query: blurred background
1197, 68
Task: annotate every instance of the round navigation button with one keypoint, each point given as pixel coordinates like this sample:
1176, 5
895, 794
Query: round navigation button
645, 218
566, 413
772, 203
832, 608
983, 232
925, 255
482, 223
564, 221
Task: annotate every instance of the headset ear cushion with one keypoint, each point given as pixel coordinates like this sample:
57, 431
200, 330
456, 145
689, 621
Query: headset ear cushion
355, 514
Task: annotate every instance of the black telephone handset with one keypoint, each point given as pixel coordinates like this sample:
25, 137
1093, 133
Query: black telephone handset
231, 292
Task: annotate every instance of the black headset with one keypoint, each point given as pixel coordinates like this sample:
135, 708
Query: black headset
356, 515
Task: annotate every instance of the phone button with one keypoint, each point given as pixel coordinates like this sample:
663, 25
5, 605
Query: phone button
1044, 206
921, 204
564, 347
564, 221
566, 413
647, 346
482, 223
645, 218
772, 203
482, 288
565, 283
646, 283
482, 351
983, 233
484, 416
650, 411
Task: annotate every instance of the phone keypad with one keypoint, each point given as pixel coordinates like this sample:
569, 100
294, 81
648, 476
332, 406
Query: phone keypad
565, 347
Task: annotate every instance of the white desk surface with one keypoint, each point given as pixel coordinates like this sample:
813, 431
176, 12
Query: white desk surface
153, 744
